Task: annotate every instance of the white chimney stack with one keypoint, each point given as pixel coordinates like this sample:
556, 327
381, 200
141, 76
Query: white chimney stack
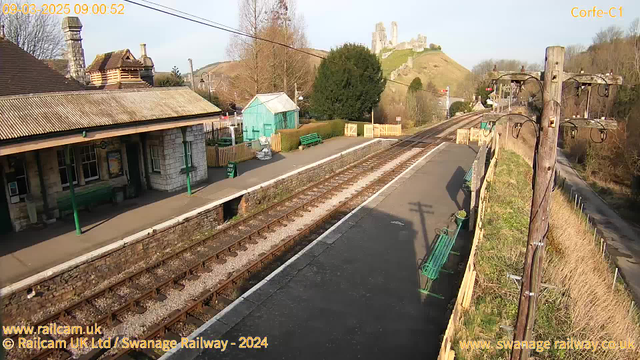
143, 50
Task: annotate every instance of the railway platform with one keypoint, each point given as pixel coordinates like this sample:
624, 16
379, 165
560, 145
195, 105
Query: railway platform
30, 252
353, 292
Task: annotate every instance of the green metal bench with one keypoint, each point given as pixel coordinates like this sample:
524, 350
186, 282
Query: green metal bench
224, 142
467, 179
310, 139
86, 199
437, 258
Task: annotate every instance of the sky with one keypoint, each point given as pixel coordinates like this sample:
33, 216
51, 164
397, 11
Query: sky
469, 31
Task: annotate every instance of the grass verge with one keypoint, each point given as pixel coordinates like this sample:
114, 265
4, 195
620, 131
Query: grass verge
582, 306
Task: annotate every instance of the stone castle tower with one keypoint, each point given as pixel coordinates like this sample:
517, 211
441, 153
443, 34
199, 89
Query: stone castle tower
71, 26
394, 33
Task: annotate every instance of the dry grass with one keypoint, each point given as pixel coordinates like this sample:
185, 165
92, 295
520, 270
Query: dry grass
596, 312
583, 306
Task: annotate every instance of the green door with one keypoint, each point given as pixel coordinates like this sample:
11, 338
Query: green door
268, 130
134, 168
5, 219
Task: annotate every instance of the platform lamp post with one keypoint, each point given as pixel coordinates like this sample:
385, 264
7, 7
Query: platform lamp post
187, 168
72, 194
206, 83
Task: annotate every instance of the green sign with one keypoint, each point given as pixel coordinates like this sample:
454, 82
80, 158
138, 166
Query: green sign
232, 169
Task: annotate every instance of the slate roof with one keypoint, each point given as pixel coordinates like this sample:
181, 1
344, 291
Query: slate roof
275, 102
38, 114
114, 60
22, 73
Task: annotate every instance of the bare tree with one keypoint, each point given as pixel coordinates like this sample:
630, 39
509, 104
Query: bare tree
267, 66
248, 50
38, 34
286, 66
610, 34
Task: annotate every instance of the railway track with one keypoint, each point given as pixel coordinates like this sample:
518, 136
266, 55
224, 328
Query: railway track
174, 296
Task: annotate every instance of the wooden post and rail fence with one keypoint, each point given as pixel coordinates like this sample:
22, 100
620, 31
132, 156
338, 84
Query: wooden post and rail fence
220, 156
476, 217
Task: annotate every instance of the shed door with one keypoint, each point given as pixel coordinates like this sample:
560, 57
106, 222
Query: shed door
268, 130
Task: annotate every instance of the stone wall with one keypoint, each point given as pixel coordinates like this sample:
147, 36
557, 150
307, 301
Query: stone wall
52, 182
171, 176
62, 290
267, 194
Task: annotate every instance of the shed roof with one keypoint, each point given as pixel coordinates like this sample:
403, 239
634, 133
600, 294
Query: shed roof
22, 73
275, 102
39, 114
115, 60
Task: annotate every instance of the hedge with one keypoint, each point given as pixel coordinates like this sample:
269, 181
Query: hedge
326, 129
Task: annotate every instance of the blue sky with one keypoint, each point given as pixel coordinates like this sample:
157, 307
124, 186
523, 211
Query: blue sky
469, 31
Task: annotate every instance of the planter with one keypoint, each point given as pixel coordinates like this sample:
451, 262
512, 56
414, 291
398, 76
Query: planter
461, 221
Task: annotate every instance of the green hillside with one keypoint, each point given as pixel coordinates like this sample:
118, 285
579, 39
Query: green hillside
434, 66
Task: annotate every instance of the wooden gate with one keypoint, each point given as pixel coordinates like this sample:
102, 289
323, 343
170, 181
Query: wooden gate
380, 130
368, 131
351, 130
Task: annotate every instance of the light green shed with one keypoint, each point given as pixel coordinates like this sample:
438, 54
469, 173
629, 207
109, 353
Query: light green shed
267, 113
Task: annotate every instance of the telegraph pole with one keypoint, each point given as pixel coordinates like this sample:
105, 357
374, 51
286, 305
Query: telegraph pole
193, 84
543, 174
544, 171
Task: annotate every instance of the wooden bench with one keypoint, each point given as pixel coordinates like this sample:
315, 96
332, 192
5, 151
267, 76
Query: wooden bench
437, 258
310, 139
86, 199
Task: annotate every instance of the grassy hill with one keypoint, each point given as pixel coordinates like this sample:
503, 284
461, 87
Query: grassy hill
429, 65
232, 68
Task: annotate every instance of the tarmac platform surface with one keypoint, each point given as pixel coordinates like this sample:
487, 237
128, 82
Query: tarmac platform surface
32, 251
353, 292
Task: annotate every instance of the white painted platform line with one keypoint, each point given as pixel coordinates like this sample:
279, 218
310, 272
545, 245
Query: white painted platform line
132, 239
257, 286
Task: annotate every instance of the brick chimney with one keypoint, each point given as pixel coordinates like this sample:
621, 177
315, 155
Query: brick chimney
71, 26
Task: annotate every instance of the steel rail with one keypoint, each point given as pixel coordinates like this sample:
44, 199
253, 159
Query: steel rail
368, 161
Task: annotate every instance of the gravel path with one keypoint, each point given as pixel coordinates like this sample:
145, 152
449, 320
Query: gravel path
136, 324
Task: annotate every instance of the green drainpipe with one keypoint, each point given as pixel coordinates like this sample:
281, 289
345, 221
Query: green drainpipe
186, 159
67, 160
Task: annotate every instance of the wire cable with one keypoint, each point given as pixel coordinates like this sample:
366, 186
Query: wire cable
206, 22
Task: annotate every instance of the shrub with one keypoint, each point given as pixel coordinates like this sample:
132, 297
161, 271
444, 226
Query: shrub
459, 106
326, 130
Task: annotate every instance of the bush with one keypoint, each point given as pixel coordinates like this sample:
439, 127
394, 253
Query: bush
326, 129
459, 106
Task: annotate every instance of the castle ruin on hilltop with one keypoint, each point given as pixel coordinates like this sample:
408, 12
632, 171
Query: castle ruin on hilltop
379, 40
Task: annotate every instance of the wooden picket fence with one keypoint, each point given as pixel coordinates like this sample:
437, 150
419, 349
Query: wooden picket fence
351, 130
276, 143
381, 130
465, 292
465, 136
220, 156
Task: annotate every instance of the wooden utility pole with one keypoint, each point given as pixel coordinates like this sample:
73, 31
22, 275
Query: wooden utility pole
193, 83
544, 169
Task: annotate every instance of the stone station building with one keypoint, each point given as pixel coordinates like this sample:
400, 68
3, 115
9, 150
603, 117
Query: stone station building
119, 143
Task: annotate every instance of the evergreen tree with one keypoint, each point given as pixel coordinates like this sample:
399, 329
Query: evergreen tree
416, 84
173, 79
348, 84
